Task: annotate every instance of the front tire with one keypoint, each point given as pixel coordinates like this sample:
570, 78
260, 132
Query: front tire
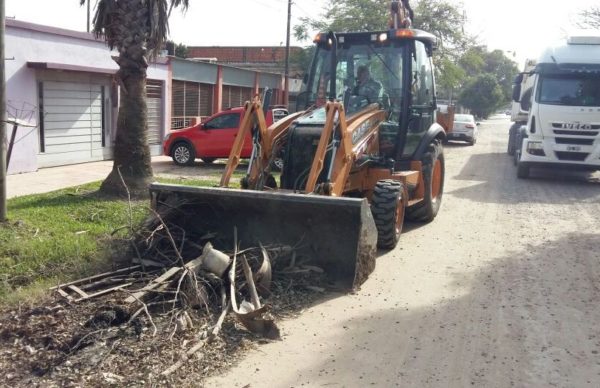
183, 154
433, 177
388, 208
522, 171
512, 139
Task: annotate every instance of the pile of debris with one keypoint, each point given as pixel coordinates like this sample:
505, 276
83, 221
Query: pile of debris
179, 292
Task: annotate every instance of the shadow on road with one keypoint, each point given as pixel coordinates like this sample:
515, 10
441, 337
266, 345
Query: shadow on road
527, 319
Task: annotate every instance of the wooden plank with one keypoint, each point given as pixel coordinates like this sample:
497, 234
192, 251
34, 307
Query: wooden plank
104, 292
139, 295
78, 290
96, 277
64, 294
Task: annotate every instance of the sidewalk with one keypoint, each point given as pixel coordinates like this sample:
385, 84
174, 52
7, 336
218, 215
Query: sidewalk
55, 178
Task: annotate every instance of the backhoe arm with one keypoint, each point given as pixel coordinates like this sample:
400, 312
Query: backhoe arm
347, 137
265, 145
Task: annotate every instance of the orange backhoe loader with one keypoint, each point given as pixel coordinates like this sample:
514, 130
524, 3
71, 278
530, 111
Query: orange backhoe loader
362, 153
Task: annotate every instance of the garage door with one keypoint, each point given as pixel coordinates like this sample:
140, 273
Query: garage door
154, 103
71, 123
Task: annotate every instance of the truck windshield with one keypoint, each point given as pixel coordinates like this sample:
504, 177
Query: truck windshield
365, 74
570, 90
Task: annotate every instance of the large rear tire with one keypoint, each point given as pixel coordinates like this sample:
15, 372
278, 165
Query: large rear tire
434, 170
387, 206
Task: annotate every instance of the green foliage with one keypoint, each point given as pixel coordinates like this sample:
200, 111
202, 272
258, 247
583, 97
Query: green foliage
478, 60
346, 15
482, 95
59, 235
300, 59
68, 234
452, 75
445, 20
179, 50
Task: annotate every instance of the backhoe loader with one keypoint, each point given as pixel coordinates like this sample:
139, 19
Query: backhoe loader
355, 164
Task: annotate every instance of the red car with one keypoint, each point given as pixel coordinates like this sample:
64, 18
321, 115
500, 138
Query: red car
212, 138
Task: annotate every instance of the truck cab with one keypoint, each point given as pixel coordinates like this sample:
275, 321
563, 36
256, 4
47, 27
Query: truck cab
563, 121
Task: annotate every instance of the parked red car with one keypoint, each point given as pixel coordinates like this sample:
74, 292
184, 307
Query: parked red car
213, 137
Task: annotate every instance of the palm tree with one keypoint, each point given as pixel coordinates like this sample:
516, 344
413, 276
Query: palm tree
138, 30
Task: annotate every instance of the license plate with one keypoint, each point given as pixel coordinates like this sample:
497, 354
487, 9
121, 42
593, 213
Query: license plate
573, 148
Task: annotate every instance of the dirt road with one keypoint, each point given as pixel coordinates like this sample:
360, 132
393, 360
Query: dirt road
502, 289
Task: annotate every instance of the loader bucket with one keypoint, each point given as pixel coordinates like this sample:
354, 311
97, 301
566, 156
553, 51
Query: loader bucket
336, 234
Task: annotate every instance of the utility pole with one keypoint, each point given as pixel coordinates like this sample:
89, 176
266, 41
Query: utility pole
88, 14
3, 212
286, 87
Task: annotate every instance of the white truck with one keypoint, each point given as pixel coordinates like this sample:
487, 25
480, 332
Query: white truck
518, 115
563, 123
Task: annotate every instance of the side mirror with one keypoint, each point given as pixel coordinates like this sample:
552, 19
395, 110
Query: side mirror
516, 95
518, 79
526, 100
516, 92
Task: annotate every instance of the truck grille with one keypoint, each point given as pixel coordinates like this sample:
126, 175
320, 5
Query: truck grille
590, 126
575, 133
571, 156
570, 140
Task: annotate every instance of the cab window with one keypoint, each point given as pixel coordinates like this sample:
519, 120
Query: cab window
224, 121
422, 76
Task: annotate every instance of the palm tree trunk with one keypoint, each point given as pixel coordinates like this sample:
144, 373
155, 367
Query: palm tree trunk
131, 151
132, 170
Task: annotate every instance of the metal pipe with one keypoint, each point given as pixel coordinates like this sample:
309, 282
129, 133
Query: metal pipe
88, 14
3, 211
286, 85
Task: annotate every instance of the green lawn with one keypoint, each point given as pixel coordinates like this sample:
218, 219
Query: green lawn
64, 235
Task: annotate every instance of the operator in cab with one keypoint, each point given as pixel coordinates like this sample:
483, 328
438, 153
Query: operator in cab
366, 86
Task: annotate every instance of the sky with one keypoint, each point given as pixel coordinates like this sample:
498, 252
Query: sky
522, 28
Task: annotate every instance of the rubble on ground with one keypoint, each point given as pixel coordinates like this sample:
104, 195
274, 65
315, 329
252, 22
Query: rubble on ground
180, 308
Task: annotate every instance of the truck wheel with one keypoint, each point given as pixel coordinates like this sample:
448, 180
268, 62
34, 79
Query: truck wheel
387, 206
522, 171
512, 139
518, 147
183, 154
433, 177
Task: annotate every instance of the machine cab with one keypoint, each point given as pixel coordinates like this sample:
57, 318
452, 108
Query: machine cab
390, 68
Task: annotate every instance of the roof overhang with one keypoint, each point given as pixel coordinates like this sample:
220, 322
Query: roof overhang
69, 67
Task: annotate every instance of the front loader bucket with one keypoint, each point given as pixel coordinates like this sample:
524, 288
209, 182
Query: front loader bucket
336, 234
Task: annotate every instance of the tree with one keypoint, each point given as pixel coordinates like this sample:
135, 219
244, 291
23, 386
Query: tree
179, 50
452, 77
482, 95
591, 18
138, 30
478, 60
300, 59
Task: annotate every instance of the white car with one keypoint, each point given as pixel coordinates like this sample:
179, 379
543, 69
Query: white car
464, 128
